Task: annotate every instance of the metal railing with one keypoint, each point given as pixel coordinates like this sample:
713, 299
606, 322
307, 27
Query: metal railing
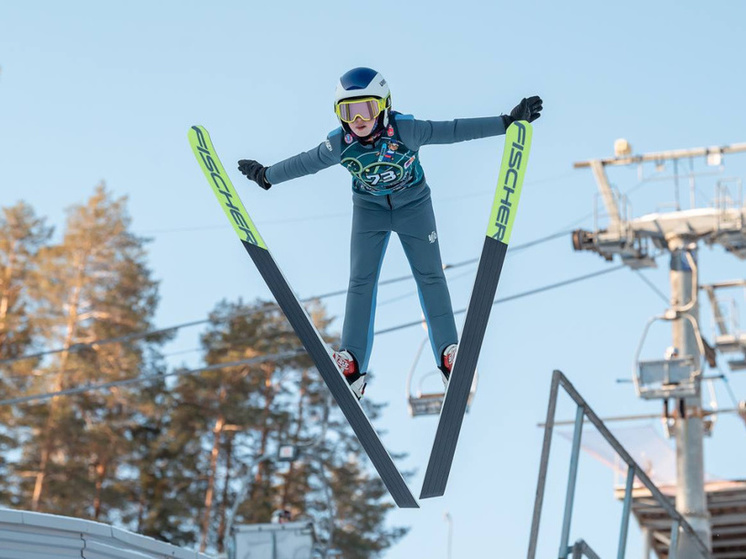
582, 549
633, 470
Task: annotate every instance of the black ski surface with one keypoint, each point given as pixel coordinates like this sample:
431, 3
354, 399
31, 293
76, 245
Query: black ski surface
298, 318
510, 181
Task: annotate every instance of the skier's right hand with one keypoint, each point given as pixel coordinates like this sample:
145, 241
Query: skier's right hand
254, 171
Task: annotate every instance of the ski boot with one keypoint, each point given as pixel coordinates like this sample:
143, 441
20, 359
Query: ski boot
447, 360
348, 367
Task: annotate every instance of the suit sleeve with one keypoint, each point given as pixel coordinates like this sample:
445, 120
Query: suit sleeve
326, 154
416, 133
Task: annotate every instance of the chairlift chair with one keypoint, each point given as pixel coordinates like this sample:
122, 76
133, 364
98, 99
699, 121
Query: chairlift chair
429, 403
673, 377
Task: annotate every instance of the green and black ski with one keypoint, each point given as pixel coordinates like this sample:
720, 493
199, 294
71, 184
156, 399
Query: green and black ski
296, 314
504, 207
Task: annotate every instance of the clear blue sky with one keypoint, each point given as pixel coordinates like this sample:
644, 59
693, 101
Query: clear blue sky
93, 91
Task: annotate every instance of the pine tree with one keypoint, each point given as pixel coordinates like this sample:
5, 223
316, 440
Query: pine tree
162, 502
167, 459
282, 400
22, 234
94, 285
232, 408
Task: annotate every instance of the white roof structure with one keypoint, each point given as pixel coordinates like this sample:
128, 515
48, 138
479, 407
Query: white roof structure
33, 535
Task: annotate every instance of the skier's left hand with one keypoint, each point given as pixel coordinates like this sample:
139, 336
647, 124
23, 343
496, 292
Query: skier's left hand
528, 109
254, 171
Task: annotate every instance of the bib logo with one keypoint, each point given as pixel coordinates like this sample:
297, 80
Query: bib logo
510, 182
381, 175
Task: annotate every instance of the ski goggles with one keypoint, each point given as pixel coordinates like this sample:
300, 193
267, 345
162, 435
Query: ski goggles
367, 109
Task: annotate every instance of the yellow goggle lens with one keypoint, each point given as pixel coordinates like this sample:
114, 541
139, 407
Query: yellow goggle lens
367, 109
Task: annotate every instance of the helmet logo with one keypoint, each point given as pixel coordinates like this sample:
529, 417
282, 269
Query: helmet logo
349, 139
390, 131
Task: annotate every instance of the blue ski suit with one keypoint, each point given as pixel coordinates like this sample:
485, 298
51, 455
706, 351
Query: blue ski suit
390, 194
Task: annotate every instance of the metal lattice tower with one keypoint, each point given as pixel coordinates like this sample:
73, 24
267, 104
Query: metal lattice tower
677, 232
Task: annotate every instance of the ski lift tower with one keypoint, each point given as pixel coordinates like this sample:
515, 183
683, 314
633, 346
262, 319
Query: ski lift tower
677, 232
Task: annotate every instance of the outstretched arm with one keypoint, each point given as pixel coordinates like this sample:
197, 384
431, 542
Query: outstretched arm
416, 133
306, 163
309, 162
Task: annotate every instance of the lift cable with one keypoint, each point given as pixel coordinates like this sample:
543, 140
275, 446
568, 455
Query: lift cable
159, 331
285, 355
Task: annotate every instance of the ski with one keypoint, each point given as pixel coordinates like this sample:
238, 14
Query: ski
297, 316
504, 207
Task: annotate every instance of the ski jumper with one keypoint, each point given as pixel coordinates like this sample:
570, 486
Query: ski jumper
390, 194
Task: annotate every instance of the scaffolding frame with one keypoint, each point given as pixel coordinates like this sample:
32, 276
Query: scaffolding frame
634, 470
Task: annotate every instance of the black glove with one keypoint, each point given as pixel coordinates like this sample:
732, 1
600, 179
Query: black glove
254, 171
528, 109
